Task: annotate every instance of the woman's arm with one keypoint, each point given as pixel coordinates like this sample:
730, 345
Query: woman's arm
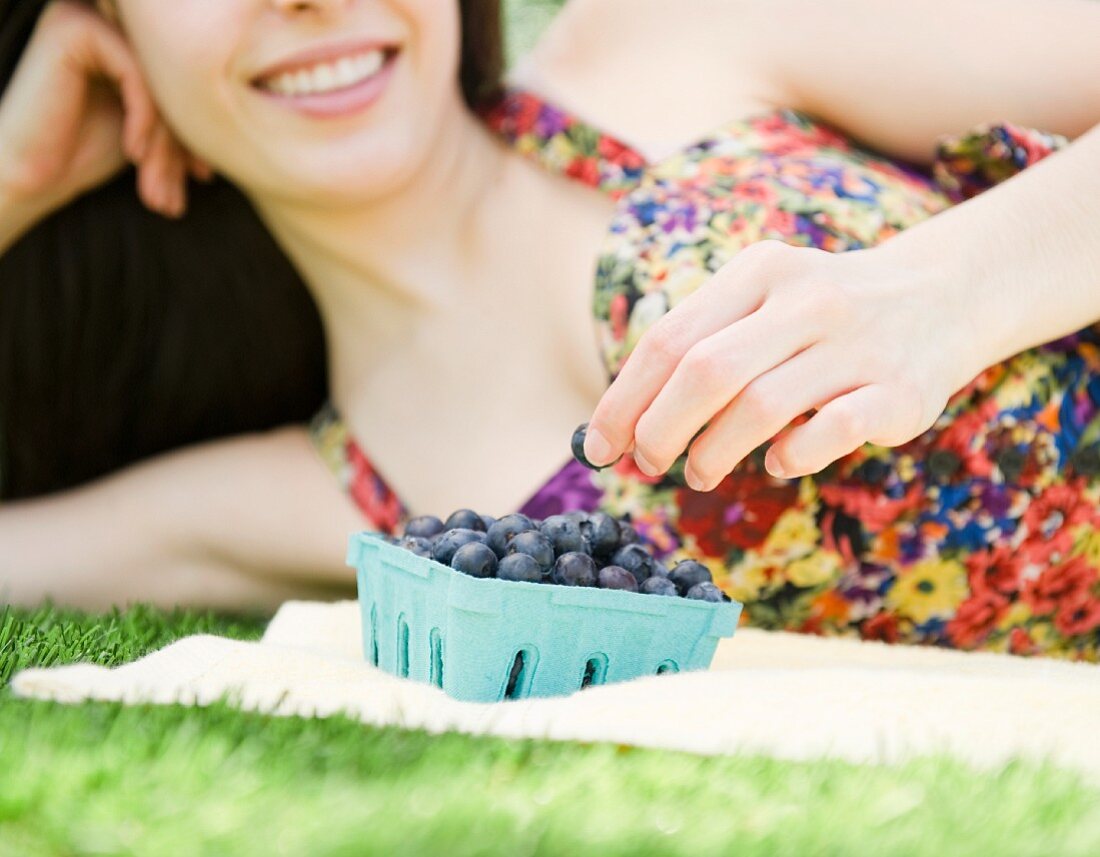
234, 524
900, 75
896, 75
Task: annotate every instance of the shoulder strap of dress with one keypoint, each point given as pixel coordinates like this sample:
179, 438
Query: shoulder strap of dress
561, 142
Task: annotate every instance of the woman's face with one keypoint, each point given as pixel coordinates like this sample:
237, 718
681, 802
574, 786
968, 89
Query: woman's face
316, 100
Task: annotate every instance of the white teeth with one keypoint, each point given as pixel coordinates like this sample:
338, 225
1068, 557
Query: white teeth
326, 77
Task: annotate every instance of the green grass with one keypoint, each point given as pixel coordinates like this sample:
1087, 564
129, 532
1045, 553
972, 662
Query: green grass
106, 779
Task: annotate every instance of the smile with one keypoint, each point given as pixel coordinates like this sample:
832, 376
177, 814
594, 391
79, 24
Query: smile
333, 85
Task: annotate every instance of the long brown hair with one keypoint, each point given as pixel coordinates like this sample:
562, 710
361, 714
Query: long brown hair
123, 334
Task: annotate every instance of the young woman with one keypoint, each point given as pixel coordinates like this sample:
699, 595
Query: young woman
944, 490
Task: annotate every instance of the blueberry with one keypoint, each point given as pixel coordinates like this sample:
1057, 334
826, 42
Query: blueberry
577, 445
563, 532
687, 573
627, 534
520, 566
659, 569
636, 560
447, 543
535, 545
424, 526
603, 533
416, 544
577, 516
475, 559
574, 569
705, 592
465, 519
614, 577
658, 586
488, 521
503, 531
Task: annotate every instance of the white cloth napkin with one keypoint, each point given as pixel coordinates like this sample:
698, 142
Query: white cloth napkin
785, 695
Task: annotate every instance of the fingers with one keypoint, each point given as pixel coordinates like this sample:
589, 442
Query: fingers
871, 414
763, 408
712, 373
724, 299
162, 181
109, 55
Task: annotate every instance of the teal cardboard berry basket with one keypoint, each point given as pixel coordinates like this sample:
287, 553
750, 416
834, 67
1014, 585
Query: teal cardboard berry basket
485, 640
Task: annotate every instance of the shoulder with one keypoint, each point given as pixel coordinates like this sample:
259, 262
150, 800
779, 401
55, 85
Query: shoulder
656, 73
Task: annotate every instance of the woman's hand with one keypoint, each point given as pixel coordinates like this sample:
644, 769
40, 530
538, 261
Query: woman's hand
76, 110
862, 337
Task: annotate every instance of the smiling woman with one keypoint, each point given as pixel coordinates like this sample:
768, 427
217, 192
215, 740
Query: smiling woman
943, 490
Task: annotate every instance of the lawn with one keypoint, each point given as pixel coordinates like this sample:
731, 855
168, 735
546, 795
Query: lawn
105, 779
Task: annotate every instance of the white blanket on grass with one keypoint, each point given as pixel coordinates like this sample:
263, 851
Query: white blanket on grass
785, 695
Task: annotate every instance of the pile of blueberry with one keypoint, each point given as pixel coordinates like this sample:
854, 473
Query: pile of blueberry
574, 549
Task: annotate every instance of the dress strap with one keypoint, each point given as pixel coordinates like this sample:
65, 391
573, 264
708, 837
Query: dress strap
563, 143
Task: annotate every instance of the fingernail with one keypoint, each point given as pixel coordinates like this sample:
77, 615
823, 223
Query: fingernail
644, 464
693, 481
772, 465
597, 449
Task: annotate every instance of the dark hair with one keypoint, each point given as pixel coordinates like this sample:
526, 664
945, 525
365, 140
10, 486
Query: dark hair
123, 334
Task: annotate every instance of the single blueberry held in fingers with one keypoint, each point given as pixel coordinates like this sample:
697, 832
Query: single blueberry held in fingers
577, 445
521, 567
636, 560
614, 577
475, 559
417, 545
450, 541
705, 592
466, 519
505, 529
564, 534
658, 586
687, 573
424, 526
535, 545
603, 532
574, 569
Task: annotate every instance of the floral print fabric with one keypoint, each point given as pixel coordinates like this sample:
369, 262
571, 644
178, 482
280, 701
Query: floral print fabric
982, 533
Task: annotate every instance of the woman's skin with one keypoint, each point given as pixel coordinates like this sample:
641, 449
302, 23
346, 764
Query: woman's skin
454, 277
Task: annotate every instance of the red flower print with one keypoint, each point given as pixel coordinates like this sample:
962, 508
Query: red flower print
618, 314
380, 505
870, 506
586, 170
975, 618
612, 150
1078, 614
740, 511
1020, 642
995, 571
1058, 507
959, 437
1059, 584
882, 627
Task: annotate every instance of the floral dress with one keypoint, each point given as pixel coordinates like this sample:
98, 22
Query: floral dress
981, 533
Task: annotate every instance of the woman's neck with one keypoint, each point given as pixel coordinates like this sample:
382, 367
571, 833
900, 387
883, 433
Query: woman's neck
402, 255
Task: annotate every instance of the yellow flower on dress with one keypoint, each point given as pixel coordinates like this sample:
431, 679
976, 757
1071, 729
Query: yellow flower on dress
748, 578
1086, 542
927, 589
815, 569
794, 534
